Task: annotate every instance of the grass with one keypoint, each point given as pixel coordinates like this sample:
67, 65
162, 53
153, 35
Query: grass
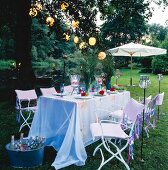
155, 149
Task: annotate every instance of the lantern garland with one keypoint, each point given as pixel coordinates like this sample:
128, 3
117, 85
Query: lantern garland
61, 12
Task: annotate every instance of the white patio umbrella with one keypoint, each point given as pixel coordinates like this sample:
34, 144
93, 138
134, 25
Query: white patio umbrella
136, 50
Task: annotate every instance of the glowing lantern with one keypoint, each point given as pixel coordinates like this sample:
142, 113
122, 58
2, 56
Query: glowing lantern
50, 21
38, 6
82, 45
92, 41
33, 12
75, 24
67, 37
64, 6
101, 55
76, 39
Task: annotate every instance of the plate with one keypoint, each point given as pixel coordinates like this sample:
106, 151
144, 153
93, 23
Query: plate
83, 97
112, 92
59, 94
121, 91
99, 95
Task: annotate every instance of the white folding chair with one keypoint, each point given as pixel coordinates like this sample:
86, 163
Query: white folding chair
118, 115
109, 131
150, 113
48, 91
26, 103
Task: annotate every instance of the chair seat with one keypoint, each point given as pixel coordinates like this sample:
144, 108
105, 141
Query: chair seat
108, 130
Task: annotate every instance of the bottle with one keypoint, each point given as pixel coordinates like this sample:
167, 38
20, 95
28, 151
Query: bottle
62, 88
21, 138
12, 144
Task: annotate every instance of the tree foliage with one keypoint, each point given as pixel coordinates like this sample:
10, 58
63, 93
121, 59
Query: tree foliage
160, 63
125, 22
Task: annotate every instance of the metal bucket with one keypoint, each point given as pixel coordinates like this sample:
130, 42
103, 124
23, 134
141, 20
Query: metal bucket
25, 159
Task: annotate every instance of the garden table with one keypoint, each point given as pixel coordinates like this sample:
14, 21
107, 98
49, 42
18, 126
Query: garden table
65, 123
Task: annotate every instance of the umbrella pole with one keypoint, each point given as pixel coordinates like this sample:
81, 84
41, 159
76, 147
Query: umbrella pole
131, 72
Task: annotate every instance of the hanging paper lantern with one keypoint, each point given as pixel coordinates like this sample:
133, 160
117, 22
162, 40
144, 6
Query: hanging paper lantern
82, 45
38, 6
64, 6
33, 12
50, 21
75, 24
101, 55
76, 39
92, 41
67, 37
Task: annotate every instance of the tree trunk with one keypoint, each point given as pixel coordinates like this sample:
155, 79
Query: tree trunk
26, 77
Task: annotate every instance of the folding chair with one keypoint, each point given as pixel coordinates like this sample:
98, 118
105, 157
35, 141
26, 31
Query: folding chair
109, 131
150, 112
48, 91
26, 102
118, 115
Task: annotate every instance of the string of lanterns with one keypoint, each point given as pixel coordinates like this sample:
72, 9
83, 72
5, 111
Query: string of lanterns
47, 6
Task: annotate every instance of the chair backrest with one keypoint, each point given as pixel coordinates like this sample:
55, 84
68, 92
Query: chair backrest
48, 91
26, 94
25, 98
132, 109
159, 99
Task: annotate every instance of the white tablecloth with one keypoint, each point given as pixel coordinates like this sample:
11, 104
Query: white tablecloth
65, 123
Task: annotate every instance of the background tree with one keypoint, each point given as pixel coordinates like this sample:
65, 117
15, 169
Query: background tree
160, 63
124, 22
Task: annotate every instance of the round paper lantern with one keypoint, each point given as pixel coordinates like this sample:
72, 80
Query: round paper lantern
101, 55
50, 21
82, 45
92, 41
64, 6
38, 6
33, 12
76, 39
75, 24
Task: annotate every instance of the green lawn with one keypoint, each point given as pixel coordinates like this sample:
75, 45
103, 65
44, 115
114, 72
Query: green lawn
155, 149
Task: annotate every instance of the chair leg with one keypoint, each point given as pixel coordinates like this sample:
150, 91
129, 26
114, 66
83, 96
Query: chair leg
118, 154
25, 120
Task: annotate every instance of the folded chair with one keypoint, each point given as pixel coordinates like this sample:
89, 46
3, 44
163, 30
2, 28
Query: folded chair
48, 91
26, 103
108, 132
150, 113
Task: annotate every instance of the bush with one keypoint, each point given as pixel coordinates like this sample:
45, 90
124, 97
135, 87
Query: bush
146, 70
160, 64
7, 64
